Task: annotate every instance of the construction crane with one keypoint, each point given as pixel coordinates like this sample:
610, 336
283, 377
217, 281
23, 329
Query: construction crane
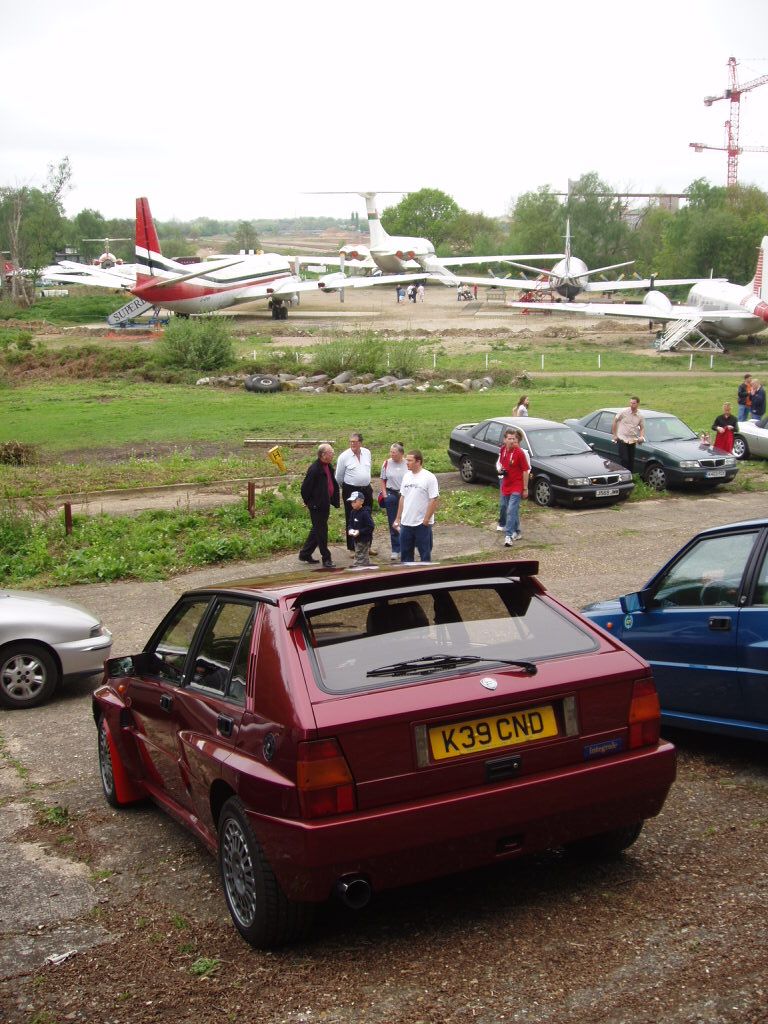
732, 147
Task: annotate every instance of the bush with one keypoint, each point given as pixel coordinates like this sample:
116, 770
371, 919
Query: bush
204, 343
16, 453
368, 353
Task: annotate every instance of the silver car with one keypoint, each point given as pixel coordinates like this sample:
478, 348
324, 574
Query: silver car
751, 442
42, 640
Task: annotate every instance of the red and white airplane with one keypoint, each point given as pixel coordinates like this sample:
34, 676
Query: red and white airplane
719, 308
208, 286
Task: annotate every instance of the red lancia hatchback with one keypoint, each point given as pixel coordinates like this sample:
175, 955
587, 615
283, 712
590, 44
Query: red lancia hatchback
344, 734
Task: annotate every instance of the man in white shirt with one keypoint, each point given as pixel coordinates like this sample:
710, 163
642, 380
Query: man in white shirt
353, 473
419, 497
627, 431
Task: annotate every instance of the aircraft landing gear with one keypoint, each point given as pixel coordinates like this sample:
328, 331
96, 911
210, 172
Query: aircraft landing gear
279, 309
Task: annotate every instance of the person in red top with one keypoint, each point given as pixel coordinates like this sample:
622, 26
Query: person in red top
725, 427
513, 467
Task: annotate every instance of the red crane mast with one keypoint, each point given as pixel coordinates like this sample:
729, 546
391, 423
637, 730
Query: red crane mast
732, 147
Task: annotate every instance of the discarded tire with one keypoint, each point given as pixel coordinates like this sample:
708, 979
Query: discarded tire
262, 383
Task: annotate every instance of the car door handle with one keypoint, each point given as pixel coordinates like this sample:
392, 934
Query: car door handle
722, 623
225, 725
166, 700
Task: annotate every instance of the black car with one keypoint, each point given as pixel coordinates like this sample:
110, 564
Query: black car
564, 468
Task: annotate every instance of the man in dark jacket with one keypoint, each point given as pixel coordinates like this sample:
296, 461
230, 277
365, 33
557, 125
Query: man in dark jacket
319, 490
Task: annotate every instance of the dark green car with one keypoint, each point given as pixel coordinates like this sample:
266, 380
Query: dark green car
670, 456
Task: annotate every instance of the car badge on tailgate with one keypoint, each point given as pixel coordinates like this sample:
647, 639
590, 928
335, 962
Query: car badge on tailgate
488, 683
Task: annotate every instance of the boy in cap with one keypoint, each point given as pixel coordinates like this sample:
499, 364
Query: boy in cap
360, 528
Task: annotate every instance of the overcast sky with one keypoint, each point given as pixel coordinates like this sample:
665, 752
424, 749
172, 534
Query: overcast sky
236, 110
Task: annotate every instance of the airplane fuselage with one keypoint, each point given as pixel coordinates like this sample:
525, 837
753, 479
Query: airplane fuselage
255, 277
722, 295
401, 254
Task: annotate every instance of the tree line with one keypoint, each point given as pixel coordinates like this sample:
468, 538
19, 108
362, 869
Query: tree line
716, 230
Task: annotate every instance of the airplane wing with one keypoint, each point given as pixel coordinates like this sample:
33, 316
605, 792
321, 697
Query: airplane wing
465, 261
519, 284
636, 310
68, 272
335, 282
639, 284
292, 285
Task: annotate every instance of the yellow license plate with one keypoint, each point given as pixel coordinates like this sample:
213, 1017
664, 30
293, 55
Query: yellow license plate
492, 733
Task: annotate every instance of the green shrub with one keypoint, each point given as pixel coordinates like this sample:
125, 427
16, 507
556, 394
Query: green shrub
204, 343
368, 353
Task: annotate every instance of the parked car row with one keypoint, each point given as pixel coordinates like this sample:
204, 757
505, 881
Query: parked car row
575, 462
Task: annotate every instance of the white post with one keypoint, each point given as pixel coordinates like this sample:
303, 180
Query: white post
711, 361
434, 360
542, 360
486, 360
599, 360
690, 362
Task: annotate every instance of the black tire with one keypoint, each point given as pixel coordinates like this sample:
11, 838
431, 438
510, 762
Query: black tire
275, 312
467, 471
283, 312
542, 492
106, 767
262, 383
29, 675
261, 911
606, 845
656, 477
740, 447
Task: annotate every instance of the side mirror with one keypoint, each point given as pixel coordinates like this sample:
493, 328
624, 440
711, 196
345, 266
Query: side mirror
640, 601
117, 668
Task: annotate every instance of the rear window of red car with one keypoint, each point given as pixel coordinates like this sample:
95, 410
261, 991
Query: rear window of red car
501, 621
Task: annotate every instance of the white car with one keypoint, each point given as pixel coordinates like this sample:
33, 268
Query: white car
42, 641
751, 442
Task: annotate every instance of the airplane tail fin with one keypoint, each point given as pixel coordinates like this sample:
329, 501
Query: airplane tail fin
148, 254
760, 280
379, 237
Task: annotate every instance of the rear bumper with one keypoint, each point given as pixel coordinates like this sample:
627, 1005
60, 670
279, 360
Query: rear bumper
420, 840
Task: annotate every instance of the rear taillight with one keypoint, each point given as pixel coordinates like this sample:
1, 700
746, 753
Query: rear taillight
323, 779
644, 715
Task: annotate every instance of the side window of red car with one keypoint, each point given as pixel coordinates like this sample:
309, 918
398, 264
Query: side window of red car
169, 656
219, 645
237, 680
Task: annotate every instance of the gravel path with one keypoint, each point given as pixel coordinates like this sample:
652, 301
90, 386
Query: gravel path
674, 932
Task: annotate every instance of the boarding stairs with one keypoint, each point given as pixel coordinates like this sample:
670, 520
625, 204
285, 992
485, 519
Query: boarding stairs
684, 335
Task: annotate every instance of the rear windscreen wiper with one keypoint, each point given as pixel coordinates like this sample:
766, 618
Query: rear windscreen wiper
435, 662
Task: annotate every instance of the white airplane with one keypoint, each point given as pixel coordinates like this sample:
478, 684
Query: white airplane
122, 275
717, 307
571, 276
207, 286
402, 258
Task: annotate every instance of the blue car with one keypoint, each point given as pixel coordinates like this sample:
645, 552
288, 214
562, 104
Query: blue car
702, 623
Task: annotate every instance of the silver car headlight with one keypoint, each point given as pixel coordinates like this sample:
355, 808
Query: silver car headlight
97, 630
730, 461
689, 464
579, 481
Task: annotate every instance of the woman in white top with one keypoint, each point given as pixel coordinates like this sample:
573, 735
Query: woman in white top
522, 406
392, 473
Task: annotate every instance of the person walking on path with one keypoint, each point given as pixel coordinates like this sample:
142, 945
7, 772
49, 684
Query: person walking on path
758, 400
627, 431
319, 490
744, 397
353, 473
420, 289
391, 478
419, 497
513, 467
725, 426
361, 528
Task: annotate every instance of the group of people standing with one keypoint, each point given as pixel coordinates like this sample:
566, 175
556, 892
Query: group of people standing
407, 492
751, 399
414, 292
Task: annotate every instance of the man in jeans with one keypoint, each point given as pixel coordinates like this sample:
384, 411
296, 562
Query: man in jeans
419, 495
514, 469
627, 431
